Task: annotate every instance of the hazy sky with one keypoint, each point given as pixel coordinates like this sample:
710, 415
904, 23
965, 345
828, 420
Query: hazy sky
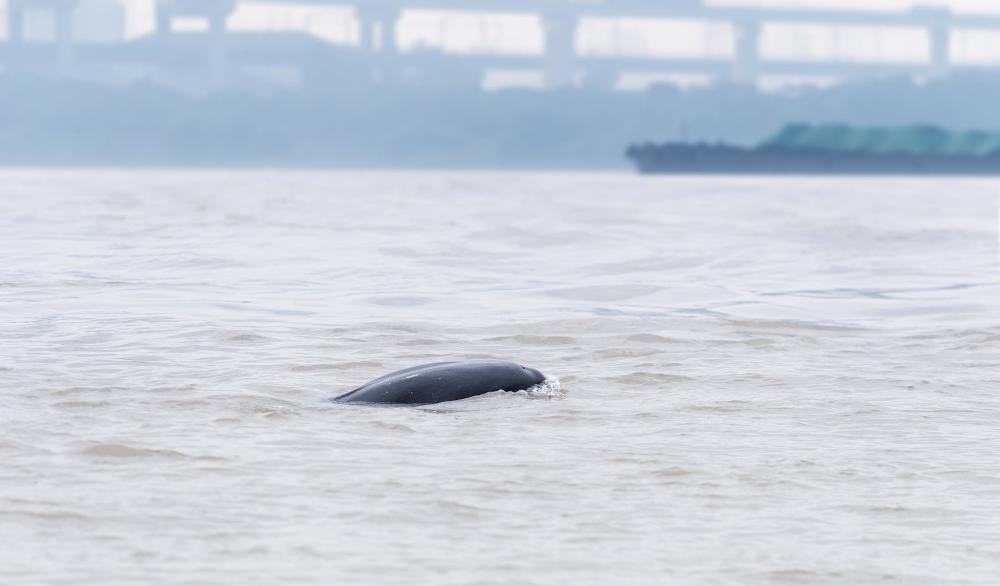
522, 33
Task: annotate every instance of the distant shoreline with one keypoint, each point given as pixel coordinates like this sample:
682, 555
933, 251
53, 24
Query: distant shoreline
47, 122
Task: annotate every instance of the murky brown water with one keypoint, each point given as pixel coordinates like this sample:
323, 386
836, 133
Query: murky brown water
762, 381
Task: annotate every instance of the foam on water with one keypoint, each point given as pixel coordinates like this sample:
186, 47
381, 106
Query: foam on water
547, 389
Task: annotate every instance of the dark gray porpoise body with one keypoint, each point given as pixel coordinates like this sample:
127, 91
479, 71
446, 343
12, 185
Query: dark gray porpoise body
445, 381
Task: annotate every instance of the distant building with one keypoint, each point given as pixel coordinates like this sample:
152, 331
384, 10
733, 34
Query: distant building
99, 21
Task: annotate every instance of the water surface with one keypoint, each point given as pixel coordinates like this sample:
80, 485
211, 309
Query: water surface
761, 381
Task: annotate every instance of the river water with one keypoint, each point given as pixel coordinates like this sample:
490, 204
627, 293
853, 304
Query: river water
760, 381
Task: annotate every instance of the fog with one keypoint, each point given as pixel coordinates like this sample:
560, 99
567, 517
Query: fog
267, 84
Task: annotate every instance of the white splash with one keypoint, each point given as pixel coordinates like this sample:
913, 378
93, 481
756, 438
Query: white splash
547, 389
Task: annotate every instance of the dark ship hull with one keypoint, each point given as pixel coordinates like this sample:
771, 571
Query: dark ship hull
709, 160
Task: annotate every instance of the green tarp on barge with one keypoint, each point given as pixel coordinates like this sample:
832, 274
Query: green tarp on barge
918, 140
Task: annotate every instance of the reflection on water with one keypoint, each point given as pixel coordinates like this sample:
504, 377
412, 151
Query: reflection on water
760, 381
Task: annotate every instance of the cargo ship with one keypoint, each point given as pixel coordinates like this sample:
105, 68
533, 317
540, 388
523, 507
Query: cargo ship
832, 149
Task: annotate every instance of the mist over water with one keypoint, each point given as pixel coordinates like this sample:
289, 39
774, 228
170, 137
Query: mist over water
761, 381
333, 124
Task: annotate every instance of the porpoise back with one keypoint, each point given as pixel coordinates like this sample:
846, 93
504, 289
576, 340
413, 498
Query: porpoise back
445, 381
